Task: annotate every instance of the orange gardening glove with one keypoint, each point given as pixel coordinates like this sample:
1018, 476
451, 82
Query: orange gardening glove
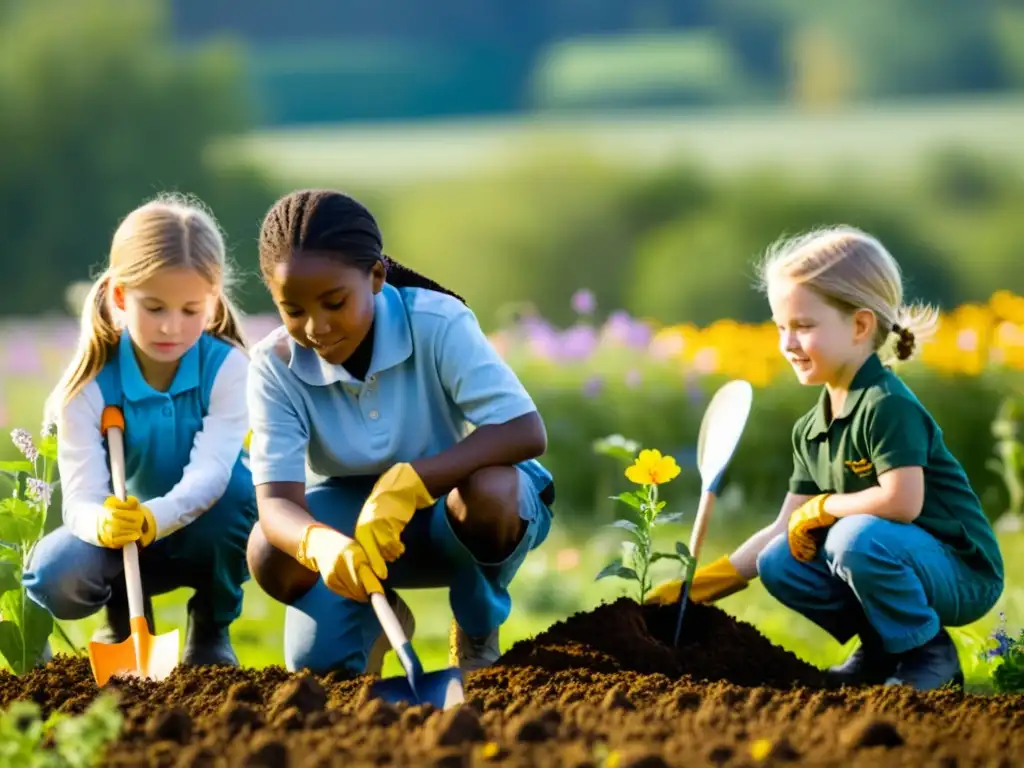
397, 494
710, 583
807, 518
339, 560
125, 521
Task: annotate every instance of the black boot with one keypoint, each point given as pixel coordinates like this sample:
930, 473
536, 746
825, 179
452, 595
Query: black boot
869, 664
929, 666
206, 643
118, 627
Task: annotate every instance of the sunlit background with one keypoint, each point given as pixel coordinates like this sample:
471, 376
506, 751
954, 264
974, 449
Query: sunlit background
595, 178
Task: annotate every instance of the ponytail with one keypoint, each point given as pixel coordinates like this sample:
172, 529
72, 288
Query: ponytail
913, 326
97, 342
226, 322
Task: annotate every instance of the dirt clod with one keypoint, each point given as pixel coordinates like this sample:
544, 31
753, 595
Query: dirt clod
872, 732
600, 683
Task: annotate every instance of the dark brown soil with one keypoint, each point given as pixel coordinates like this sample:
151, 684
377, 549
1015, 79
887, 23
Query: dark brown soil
598, 689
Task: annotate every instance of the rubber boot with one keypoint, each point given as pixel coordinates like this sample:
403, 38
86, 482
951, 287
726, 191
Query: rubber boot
118, 627
206, 642
472, 653
929, 666
869, 664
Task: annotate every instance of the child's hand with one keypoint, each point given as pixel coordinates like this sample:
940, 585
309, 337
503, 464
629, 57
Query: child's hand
397, 494
339, 560
125, 521
806, 519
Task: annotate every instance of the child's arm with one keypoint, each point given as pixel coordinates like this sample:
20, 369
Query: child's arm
214, 453
82, 463
744, 557
899, 496
508, 430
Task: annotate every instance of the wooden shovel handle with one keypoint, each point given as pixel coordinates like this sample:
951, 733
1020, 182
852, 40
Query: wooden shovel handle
700, 525
112, 426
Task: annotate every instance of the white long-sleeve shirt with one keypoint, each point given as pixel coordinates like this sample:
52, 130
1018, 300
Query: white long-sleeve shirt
82, 456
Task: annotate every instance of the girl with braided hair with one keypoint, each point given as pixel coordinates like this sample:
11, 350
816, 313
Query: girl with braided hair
382, 382
881, 534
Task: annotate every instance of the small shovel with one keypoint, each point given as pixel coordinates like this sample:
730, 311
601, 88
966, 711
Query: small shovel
142, 654
443, 688
720, 432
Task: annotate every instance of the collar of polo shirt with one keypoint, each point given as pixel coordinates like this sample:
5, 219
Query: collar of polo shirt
866, 375
135, 386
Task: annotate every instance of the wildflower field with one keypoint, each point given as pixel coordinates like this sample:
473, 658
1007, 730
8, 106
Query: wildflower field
586, 668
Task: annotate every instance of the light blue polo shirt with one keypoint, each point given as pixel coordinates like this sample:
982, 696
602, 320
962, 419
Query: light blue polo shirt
433, 376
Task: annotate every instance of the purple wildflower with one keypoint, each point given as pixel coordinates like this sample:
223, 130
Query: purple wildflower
1003, 640
593, 386
39, 490
622, 329
578, 342
584, 302
23, 442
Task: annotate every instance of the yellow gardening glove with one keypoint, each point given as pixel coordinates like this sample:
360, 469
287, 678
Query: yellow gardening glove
807, 518
125, 521
397, 494
710, 583
339, 560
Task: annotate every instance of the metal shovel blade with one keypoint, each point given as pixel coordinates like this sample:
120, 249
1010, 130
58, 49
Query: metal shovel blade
442, 688
141, 655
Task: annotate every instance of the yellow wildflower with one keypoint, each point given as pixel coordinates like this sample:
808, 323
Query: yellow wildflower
651, 468
760, 748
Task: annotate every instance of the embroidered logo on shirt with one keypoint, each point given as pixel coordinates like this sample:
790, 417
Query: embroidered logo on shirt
860, 467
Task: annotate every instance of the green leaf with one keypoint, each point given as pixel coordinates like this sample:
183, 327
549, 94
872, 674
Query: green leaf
11, 644
48, 447
19, 521
626, 525
616, 568
630, 498
32, 625
674, 517
14, 467
10, 576
665, 556
683, 550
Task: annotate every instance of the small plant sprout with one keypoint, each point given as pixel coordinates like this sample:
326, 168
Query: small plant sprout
649, 470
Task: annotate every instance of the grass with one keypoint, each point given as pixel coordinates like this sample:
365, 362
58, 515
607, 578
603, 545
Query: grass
869, 138
552, 585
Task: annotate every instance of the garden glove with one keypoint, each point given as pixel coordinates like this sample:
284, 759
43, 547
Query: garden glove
122, 522
397, 494
339, 560
710, 583
805, 520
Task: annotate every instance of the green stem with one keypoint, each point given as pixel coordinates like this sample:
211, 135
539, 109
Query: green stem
67, 640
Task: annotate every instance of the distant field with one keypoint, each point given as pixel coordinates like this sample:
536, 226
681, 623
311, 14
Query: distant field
877, 138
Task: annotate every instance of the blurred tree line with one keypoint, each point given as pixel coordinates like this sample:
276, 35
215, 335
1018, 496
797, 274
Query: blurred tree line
330, 60
101, 110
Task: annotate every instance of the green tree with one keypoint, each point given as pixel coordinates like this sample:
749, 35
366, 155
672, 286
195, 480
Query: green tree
101, 112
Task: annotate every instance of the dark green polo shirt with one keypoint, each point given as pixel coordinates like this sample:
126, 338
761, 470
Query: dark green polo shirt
884, 426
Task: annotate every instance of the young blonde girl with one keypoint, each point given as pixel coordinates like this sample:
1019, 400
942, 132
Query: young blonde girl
161, 340
880, 535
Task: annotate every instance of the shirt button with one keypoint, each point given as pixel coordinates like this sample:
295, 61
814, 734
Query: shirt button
167, 410
374, 415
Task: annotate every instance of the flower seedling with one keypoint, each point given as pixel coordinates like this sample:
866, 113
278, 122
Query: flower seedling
1006, 655
25, 626
649, 470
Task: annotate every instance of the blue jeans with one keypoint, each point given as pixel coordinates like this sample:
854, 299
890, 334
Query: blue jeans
903, 580
325, 631
73, 579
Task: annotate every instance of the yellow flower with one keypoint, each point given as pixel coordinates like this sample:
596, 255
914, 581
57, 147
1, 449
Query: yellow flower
760, 749
651, 468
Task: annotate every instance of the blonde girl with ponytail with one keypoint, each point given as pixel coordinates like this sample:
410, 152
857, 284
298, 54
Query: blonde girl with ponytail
161, 340
880, 535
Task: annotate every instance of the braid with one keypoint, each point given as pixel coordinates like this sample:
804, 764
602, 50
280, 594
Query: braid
334, 223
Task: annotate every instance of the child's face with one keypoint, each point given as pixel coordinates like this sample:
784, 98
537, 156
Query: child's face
166, 314
818, 340
325, 304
